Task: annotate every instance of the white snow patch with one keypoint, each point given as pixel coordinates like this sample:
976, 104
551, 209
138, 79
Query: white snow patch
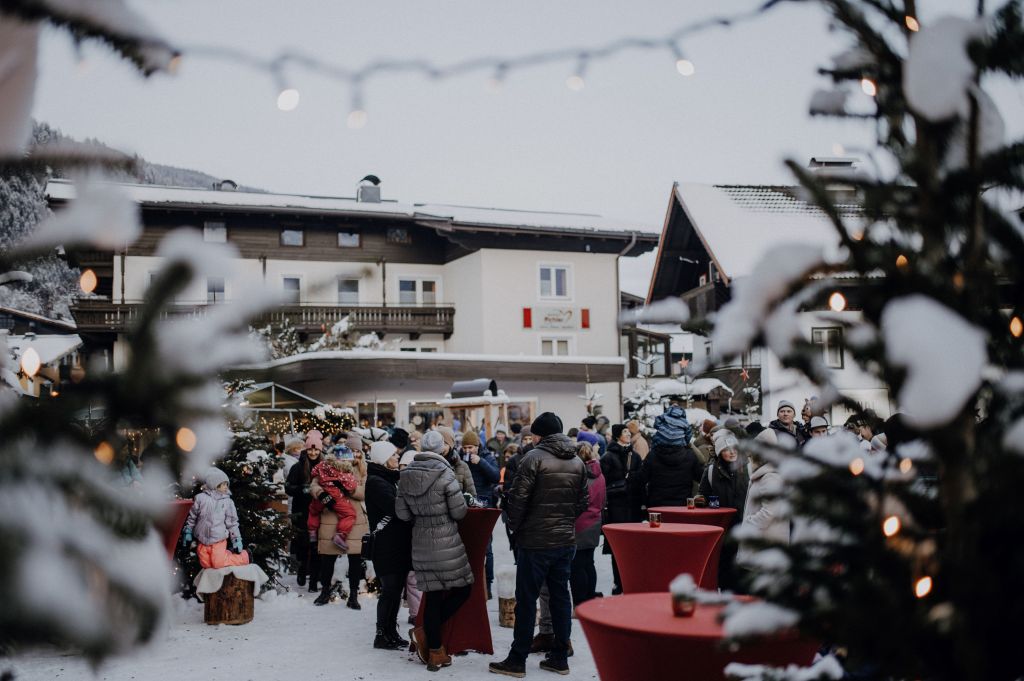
991, 134
757, 619
664, 311
938, 71
103, 216
943, 355
825, 669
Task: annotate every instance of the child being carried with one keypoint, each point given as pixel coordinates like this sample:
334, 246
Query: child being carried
337, 479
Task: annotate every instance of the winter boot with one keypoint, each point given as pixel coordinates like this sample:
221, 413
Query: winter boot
312, 585
508, 667
542, 643
353, 601
418, 644
396, 639
384, 642
438, 658
325, 596
301, 579
550, 664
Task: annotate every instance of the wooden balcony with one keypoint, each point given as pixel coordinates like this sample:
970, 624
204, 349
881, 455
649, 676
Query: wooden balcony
104, 316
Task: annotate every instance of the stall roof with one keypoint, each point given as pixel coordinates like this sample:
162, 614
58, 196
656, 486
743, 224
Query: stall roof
270, 395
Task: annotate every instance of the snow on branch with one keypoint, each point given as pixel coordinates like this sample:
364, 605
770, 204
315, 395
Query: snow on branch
746, 620
102, 216
664, 311
942, 354
825, 669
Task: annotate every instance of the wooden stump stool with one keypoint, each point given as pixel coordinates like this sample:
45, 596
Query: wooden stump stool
507, 612
233, 604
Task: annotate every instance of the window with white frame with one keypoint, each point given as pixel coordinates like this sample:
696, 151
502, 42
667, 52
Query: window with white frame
292, 287
348, 291
417, 291
215, 232
555, 281
554, 347
215, 289
830, 340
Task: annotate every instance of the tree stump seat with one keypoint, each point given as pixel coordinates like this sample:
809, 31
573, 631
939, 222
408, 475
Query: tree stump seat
232, 604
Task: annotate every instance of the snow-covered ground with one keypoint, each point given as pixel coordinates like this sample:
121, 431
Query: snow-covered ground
290, 638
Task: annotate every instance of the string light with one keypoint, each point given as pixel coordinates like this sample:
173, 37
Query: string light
575, 82
923, 587
174, 65
1016, 326
901, 261
891, 526
357, 115
857, 466
104, 453
837, 302
30, 362
906, 465
912, 23
88, 281
185, 439
288, 99
685, 67
497, 80
868, 87
958, 281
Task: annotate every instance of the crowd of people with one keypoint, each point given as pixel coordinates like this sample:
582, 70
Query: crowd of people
395, 498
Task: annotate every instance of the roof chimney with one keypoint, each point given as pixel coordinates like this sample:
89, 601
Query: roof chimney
368, 190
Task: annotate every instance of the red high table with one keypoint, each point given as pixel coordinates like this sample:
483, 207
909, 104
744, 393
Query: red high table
636, 636
170, 523
722, 517
470, 628
649, 558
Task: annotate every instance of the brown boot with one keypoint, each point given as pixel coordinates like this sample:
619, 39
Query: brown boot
542, 643
418, 644
439, 657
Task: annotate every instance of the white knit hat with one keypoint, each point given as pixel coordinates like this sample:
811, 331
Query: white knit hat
381, 451
408, 457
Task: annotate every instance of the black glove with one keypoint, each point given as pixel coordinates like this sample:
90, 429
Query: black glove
326, 499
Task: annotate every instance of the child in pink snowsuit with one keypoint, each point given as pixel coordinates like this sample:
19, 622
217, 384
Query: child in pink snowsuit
214, 520
338, 480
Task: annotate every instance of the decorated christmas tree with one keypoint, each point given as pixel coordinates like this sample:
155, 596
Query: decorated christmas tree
905, 560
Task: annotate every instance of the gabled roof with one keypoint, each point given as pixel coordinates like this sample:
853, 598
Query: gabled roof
435, 215
732, 226
51, 348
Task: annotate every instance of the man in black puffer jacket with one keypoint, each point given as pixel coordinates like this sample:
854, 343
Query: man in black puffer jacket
670, 471
548, 494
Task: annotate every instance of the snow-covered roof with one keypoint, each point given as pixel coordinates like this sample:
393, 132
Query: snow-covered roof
700, 386
171, 197
69, 325
436, 357
737, 223
50, 347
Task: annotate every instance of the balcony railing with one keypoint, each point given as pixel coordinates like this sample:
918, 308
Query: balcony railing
103, 315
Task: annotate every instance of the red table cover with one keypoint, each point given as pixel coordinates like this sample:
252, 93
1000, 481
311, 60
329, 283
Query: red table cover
470, 628
636, 636
649, 558
169, 526
723, 517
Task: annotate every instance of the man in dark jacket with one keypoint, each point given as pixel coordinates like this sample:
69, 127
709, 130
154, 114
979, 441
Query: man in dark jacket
786, 427
621, 467
486, 475
671, 470
548, 494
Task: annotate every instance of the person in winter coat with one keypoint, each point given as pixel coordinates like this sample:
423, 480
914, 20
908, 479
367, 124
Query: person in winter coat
455, 459
785, 425
430, 497
764, 516
338, 480
671, 471
392, 553
583, 579
621, 469
486, 475
297, 487
548, 494
637, 439
413, 596
213, 519
497, 445
725, 478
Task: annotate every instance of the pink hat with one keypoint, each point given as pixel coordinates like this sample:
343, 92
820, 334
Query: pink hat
314, 438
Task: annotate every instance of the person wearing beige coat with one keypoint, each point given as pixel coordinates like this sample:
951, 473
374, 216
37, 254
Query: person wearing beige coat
328, 551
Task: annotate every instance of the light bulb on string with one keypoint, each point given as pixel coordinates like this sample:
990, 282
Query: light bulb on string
88, 281
891, 526
186, 439
288, 99
1016, 327
912, 23
906, 465
357, 116
30, 362
684, 66
857, 466
923, 587
575, 82
868, 87
104, 453
837, 302
901, 261
174, 65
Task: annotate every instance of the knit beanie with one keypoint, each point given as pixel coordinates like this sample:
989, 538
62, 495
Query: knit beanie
589, 437
707, 426
447, 434
767, 437
724, 439
432, 441
213, 477
617, 431
408, 457
353, 441
471, 439
782, 405
400, 438
547, 424
314, 438
380, 452
672, 428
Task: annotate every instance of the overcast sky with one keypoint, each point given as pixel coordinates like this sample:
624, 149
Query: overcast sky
613, 148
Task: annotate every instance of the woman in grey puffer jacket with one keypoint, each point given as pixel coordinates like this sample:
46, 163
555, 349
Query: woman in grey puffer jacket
431, 498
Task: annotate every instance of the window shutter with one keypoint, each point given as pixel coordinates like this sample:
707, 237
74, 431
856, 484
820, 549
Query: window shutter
527, 318
585, 318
